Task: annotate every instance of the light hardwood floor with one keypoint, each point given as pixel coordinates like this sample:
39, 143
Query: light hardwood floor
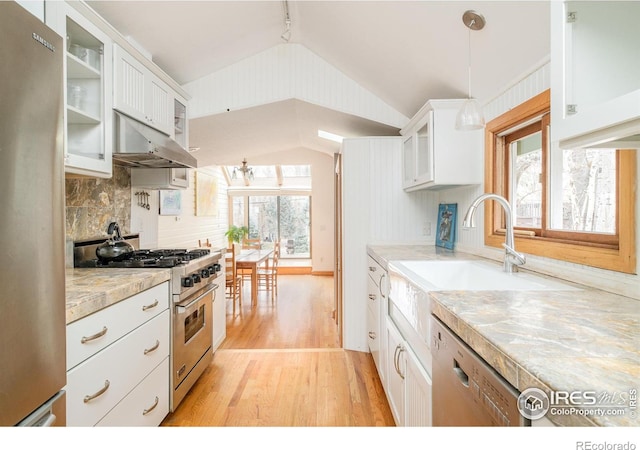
281, 365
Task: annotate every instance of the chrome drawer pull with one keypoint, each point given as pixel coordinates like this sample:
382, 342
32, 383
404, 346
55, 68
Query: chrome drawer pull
372, 269
155, 347
372, 296
153, 305
147, 411
85, 339
372, 334
88, 398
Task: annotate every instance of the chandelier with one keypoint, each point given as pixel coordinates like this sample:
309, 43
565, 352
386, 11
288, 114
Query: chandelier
247, 172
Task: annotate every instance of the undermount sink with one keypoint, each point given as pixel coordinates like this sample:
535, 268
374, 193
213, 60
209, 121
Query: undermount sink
473, 276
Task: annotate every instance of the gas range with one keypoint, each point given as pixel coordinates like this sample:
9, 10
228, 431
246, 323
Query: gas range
191, 269
158, 258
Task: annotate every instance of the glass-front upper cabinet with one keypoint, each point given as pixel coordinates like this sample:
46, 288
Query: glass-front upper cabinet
595, 73
180, 122
435, 154
88, 139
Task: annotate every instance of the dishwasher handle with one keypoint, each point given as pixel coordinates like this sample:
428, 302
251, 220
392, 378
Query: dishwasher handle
460, 374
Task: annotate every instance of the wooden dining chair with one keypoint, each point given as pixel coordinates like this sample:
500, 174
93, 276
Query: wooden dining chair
234, 282
255, 244
268, 275
251, 244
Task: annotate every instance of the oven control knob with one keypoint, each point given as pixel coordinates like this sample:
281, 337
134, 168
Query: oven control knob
195, 278
187, 282
211, 270
217, 267
204, 273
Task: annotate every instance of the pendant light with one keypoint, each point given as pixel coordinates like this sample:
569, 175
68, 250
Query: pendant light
470, 116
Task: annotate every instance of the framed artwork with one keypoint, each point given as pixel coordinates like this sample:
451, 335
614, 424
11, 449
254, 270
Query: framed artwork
206, 194
170, 203
446, 231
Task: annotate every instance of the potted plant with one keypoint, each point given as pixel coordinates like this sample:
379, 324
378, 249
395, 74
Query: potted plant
236, 234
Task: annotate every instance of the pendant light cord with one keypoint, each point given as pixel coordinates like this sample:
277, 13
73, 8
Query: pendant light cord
469, 53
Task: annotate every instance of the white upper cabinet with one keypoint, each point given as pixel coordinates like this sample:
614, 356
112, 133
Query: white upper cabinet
435, 154
180, 131
595, 74
140, 94
88, 59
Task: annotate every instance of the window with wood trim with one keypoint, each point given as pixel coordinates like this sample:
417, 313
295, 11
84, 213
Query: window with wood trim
575, 205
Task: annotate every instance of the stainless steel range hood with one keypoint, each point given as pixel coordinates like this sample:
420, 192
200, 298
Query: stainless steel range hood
138, 145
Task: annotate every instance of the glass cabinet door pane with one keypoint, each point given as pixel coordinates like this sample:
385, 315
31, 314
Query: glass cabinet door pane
85, 93
601, 50
408, 161
424, 155
180, 122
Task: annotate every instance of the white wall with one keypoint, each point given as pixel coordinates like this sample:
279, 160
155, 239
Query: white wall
280, 73
181, 231
376, 210
472, 240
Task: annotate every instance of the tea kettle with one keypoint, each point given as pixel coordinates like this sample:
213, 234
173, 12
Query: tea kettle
115, 248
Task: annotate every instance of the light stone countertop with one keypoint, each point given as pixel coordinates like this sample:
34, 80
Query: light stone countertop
587, 339
92, 289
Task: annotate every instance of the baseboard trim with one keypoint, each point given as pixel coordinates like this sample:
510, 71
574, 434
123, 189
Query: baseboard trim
322, 273
294, 270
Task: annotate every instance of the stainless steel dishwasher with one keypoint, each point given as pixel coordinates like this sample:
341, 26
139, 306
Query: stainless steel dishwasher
467, 392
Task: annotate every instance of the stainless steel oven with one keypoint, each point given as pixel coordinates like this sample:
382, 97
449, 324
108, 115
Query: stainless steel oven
192, 339
194, 286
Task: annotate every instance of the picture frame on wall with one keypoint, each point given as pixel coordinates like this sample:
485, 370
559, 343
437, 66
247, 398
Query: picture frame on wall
446, 230
206, 194
170, 203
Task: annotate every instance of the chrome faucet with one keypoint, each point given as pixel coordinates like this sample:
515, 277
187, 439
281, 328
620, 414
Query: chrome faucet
512, 259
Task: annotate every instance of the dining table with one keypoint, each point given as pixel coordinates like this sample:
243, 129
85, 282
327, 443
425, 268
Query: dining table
250, 259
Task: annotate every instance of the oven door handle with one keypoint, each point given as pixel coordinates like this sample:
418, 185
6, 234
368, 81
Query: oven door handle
183, 308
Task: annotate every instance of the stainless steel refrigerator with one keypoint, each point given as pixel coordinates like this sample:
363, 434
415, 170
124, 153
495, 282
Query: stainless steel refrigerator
32, 277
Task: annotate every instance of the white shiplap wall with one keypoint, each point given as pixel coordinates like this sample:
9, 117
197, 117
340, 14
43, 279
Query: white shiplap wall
283, 72
472, 240
183, 231
376, 210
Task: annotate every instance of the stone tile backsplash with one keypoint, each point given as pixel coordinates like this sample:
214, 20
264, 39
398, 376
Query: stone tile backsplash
92, 203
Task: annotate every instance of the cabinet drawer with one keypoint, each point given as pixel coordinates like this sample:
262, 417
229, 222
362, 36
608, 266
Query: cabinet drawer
120, 366
113, 322
374, 270
146, 406
373, 336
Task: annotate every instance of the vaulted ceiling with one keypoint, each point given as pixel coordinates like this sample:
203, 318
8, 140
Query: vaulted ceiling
404, 52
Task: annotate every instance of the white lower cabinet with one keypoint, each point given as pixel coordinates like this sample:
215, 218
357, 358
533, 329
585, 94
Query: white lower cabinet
118, 382
395, 372
417, 407
146, 405
376, 305
408, 384
219, 317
